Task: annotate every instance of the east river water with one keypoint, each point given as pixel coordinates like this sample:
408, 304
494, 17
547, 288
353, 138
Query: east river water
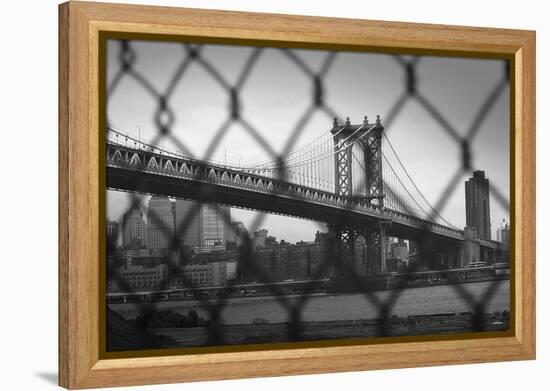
326, 307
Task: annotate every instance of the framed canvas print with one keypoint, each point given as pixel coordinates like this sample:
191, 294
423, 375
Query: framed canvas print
248, 195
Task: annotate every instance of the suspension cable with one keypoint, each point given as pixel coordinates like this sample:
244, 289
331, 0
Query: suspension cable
413, 183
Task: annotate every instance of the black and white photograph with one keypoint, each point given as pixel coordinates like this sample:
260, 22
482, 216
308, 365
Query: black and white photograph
266, 195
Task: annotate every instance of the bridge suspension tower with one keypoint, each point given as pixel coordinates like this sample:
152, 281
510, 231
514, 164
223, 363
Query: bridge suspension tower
369, 138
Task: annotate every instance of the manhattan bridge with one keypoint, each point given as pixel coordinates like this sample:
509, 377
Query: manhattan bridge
349, 177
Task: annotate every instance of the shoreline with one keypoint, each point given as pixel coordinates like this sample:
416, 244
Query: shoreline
264, 332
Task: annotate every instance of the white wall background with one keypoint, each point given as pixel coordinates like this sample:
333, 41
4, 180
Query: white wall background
28, 282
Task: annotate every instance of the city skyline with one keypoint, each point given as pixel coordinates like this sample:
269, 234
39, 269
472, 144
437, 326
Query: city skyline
478, 216
131, 227
216, 230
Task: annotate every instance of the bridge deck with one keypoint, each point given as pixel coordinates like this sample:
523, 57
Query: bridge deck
149, 172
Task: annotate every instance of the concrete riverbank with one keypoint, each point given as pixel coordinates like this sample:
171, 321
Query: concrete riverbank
329, 330
261, 331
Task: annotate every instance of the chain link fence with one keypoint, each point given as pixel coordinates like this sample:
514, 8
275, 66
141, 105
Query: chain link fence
121, 336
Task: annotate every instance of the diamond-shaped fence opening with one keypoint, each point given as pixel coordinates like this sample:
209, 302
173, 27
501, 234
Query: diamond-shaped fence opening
289, 172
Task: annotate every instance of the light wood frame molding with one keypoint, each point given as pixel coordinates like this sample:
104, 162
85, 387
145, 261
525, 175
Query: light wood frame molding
80, 23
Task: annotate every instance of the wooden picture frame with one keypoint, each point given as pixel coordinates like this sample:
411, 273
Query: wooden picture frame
80, 26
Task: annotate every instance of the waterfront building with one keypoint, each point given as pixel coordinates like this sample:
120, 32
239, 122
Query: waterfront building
259, 238
209, 268
215, 256
399, 250
270, 241
160, 223
133, 229
323, 238
478, 213
231, 271
318, 258
204, 275
280, 263
298, 265
263, 259
209, 249
219, 273
142, 257
300, 261
503, 235
140, 277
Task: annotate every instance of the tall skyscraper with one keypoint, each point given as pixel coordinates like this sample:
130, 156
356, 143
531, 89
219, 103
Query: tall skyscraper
187, 217
503, 234
478, 213
160, 223
201, 225
214, 227
133, 229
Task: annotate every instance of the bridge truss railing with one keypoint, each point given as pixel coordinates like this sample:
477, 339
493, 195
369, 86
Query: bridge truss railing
142, 161
173, 165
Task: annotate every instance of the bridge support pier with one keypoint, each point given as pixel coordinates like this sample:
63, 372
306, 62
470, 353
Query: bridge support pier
489, 256
471, 247
376, 252
450, 258
344, 249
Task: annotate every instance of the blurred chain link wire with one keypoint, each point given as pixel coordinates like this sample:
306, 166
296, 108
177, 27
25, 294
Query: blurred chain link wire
165, 117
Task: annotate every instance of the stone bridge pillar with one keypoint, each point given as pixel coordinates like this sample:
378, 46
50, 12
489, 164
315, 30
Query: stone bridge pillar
451, 257
470, 247
484, 254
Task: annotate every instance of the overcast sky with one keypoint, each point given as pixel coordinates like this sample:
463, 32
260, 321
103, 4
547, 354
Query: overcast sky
277, 92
